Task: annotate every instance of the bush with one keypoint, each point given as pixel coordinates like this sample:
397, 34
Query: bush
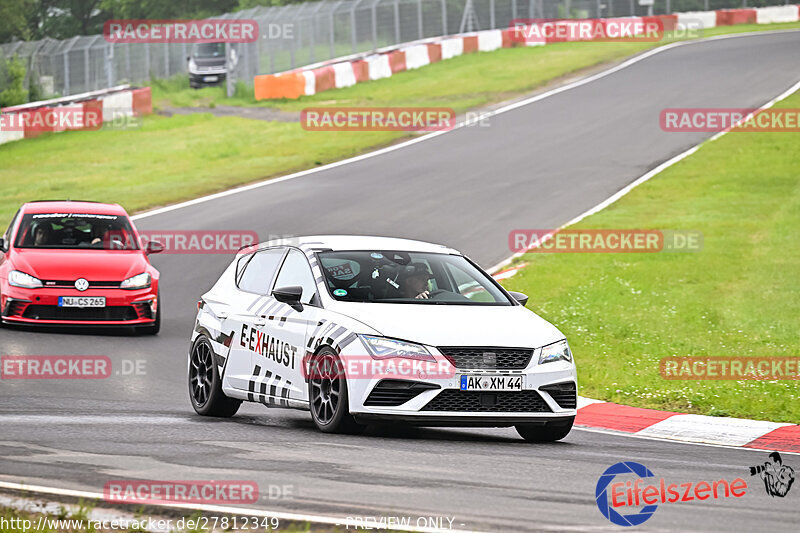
14, 92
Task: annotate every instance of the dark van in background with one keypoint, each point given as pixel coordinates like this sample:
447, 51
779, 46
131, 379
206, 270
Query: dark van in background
207, 64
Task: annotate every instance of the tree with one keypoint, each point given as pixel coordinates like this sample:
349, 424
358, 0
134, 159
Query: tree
14, 19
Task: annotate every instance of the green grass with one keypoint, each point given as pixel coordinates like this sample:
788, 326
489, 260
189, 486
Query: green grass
740, 295
167, 160
183, 157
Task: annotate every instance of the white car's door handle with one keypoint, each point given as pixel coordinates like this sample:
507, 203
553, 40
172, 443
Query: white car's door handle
222, 314
260, 321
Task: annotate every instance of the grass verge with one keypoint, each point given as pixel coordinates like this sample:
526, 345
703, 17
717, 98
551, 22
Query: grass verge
739, 296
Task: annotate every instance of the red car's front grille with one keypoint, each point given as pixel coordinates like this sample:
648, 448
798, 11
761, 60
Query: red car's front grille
52, 312
67, 284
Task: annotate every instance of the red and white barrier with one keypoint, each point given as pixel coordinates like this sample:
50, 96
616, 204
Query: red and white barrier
117, 104
416, 56
452, 47
379, 67
490, 40
697, 20
86, 111
769, 15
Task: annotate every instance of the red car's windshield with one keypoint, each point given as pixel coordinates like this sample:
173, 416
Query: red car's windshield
75, 230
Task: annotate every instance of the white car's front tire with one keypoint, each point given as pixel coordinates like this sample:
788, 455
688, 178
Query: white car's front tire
327, 394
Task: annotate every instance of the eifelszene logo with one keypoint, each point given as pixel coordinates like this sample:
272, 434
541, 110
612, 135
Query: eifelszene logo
777, 477
614, 495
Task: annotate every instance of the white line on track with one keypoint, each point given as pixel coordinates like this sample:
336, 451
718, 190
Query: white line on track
92, 419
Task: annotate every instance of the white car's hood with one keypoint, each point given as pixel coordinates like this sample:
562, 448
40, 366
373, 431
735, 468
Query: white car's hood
454, 325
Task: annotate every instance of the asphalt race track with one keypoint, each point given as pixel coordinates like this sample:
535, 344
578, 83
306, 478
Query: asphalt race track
534, 167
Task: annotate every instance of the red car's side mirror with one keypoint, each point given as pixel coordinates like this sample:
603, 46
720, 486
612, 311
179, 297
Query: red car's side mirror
3, 245
153, 247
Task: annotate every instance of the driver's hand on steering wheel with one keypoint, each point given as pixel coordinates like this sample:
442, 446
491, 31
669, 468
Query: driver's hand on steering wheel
424, 295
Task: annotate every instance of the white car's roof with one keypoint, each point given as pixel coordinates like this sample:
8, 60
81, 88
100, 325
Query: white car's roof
363, 242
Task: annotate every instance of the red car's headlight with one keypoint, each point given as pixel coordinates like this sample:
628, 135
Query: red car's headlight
23, 280
140, 281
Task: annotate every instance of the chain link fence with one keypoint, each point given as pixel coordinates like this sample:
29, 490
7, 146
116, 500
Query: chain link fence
302, 34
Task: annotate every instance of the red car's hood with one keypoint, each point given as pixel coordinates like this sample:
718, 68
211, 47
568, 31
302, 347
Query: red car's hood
93, 265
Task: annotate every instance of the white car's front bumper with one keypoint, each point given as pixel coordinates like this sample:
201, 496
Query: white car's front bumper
446, 404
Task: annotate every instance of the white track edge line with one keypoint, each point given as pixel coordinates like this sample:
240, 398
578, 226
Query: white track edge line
281, 515
381, 151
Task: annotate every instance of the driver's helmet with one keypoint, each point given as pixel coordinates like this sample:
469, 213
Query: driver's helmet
418, 269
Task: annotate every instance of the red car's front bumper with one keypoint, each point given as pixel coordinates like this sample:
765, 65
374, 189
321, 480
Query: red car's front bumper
40, 307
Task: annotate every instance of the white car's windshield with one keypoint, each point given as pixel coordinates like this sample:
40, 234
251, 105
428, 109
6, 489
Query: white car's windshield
408, 277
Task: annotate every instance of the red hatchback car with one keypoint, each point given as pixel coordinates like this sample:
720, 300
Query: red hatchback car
68, 263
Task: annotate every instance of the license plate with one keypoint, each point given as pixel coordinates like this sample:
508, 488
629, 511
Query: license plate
81, 301
210, 78
491, 383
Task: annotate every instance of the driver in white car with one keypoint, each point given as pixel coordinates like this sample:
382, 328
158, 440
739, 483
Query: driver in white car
416, 281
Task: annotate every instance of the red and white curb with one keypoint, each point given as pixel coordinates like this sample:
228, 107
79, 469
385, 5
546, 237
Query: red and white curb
722, 431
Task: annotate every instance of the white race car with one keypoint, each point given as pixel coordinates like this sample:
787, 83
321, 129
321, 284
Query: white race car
367, 329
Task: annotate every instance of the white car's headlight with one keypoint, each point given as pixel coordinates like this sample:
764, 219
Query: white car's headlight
558, 351
192, 66
383, 348
141, 281
21, 279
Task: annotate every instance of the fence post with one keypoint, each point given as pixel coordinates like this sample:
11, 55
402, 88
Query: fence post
396, 21
147, 75
66, 72
444, 17
86, 69
420, 32
375, 25
110, 64
491, 15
